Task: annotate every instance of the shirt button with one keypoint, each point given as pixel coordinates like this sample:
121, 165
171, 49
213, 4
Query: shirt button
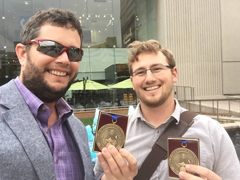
46, 130
157, 131
57, 160
44, 109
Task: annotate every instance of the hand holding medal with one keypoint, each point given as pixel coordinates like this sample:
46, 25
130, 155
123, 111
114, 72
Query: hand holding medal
116, 162
183, 160
181, 152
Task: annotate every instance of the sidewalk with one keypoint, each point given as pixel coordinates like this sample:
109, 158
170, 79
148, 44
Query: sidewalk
233, 106
228, 126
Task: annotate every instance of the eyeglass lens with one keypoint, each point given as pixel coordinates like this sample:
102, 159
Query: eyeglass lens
55, 49
155, 70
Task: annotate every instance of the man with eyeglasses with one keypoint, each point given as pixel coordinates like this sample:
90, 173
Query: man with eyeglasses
40, 138
153, 73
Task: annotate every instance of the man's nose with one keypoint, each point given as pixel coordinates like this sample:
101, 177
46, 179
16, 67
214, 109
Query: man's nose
149, 74
63, 58
149, 70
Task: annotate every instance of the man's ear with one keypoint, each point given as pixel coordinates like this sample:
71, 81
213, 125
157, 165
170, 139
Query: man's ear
175, 75
21, 53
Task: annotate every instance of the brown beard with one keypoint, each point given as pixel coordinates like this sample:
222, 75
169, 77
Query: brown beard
158, 103
33, 80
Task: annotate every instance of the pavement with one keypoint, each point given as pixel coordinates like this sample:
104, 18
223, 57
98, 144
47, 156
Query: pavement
234, 125
228, 122
225, 105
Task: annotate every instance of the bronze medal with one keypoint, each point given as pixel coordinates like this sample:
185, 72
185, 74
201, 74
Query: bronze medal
110, 134
111, 130
180, 157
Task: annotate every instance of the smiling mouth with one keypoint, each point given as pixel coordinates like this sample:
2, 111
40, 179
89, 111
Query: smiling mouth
151, 88
57, 73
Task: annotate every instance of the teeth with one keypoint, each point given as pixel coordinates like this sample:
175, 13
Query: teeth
58, 73
151, 88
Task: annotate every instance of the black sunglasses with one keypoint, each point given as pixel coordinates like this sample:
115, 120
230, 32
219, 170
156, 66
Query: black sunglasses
54, 49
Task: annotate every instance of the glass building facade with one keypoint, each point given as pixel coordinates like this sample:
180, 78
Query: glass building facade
108, 27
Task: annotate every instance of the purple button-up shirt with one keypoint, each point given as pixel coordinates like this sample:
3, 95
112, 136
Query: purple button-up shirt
66, 155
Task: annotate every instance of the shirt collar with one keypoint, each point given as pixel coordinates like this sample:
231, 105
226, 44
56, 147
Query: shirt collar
64, 110
137, 114
34, 103
177, 111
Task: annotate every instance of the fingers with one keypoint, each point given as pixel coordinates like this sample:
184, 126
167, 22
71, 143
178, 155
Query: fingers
132, 161
108, 163
117, 164
187, 176
105, 167
203, 172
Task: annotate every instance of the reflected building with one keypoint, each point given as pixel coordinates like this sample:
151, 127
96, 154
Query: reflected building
108, 26
200, 34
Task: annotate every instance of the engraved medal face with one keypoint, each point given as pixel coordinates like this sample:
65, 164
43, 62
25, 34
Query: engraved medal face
110, 134
179, 158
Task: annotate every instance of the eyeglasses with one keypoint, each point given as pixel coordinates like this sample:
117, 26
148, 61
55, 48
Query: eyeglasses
54, 49
155, 70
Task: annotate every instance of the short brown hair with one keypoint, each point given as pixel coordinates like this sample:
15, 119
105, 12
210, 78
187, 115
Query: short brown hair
150, 46
52, 16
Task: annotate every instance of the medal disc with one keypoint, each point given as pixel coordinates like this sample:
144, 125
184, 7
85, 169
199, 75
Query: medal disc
180, 157
110, 134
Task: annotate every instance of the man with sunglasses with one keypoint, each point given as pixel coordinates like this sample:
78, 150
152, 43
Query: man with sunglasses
153, 73
40, 137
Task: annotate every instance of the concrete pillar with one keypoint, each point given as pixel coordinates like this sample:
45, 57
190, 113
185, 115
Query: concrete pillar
160, 14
